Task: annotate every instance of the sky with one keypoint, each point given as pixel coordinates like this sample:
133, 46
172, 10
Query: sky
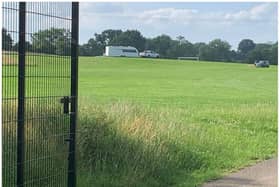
197, 22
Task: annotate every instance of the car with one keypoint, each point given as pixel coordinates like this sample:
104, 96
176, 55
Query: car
262, 63
149, 53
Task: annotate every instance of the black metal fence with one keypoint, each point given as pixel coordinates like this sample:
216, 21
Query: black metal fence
39, 93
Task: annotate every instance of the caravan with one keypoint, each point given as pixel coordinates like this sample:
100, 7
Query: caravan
121, 51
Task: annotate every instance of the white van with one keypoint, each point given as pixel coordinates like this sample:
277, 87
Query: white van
124, 51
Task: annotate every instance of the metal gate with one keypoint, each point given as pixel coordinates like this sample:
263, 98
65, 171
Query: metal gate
39, 93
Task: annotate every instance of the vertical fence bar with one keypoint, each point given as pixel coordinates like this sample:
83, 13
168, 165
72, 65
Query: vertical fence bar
74, 94
21, 95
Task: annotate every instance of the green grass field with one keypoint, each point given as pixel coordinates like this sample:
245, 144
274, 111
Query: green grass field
153, 122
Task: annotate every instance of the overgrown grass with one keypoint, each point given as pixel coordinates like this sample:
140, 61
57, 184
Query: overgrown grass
145, 122
45, 149
126, 145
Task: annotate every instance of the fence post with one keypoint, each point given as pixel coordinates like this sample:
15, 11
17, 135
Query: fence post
21, 95
74, 94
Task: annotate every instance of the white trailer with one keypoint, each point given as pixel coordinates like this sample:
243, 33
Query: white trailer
124, 51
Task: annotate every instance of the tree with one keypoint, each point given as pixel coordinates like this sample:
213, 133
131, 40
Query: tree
7, 41
149, 44
117, 37
96, 46
245, 46
217, 50
91, 48
205, 53
130, 38
274, 54
52, 41
161, 44
260, 52
220, 49
181, 39
107, 36
63, 43
178, 49
264, 52
197, 47
28, 46
235, 56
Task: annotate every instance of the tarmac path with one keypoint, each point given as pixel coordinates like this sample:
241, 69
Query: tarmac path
263, 174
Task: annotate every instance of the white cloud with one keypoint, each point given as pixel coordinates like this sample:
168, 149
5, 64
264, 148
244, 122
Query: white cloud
257, 13
91, 12
168, 15
261, 12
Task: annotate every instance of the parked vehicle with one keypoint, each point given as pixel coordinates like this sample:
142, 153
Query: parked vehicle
149, 53
262, 63
123, 51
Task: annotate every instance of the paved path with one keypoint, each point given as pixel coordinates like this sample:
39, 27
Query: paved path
263, 174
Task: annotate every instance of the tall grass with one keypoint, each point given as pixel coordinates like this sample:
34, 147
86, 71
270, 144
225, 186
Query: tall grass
124, 147
123, 144
45, 149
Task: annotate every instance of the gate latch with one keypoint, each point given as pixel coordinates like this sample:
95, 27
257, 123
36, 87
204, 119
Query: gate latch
65, 101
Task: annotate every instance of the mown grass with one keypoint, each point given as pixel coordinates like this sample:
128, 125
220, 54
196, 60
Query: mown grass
146, 122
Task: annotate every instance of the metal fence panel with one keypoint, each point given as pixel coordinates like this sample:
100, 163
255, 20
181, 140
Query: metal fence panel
10, 60
39, 93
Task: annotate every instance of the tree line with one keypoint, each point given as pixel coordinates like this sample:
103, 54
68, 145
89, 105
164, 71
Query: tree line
50, 41
216, 50
58, 41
